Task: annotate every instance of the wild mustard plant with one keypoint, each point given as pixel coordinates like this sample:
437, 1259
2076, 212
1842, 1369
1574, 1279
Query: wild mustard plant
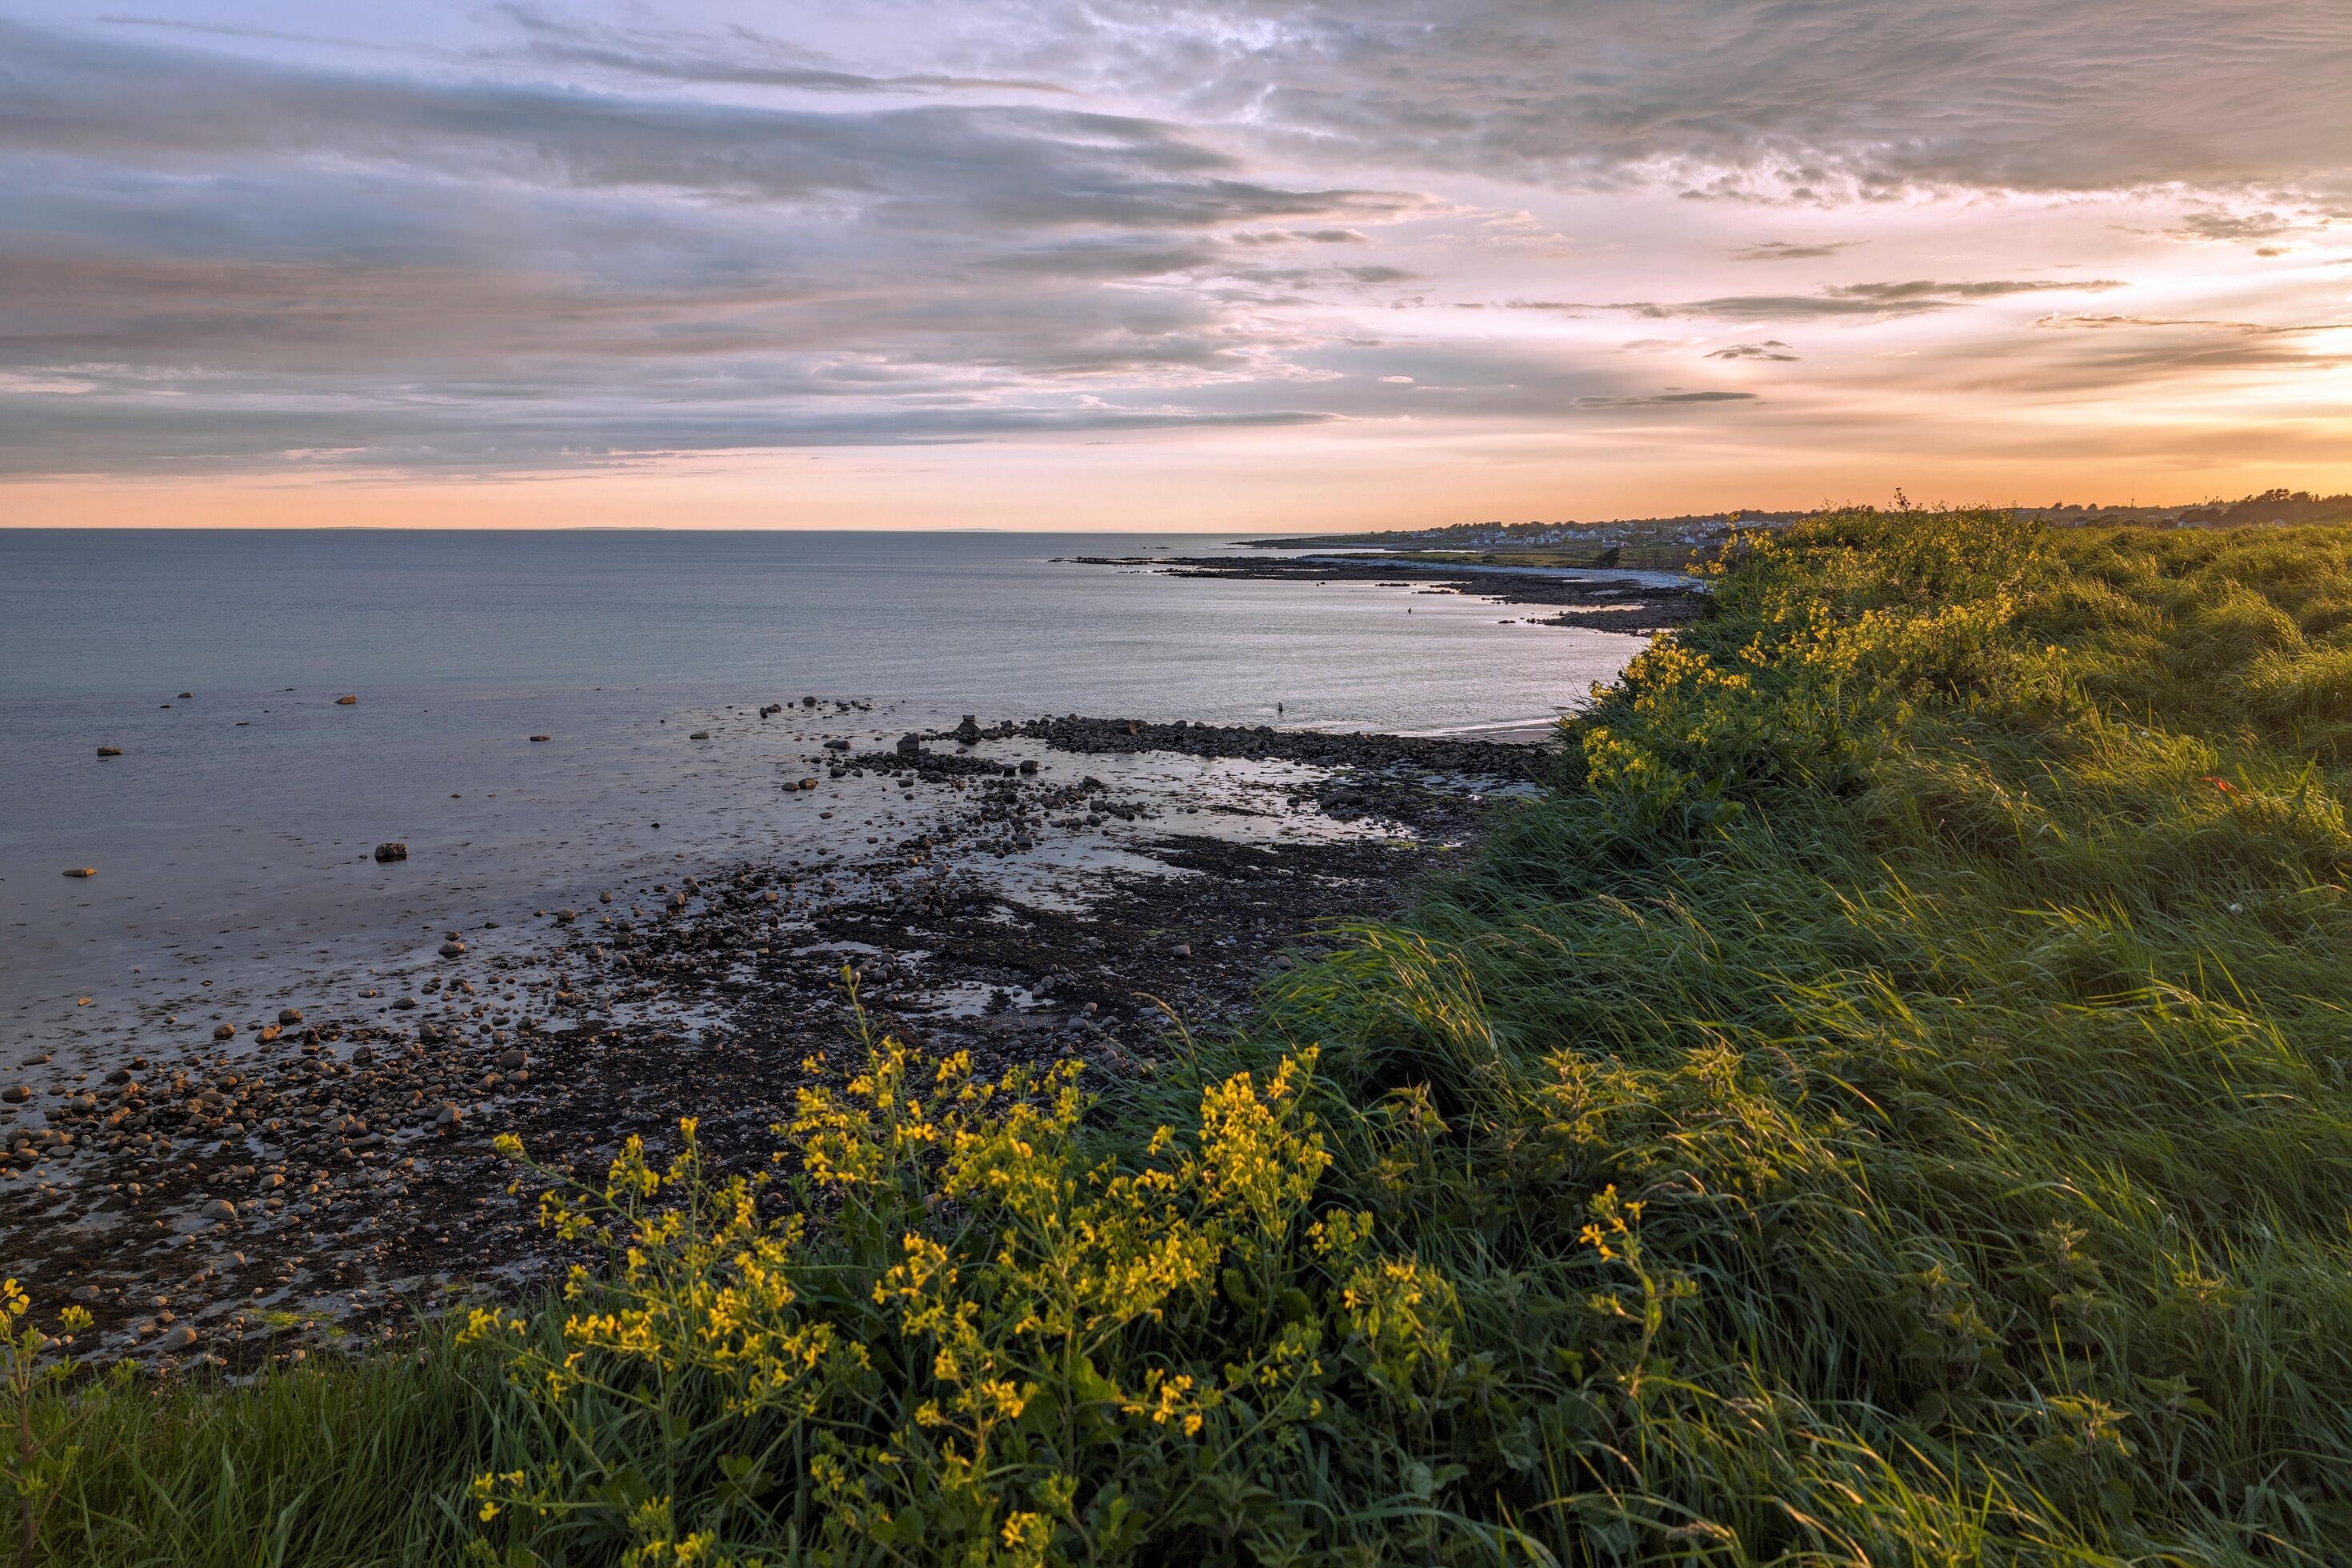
42, 1450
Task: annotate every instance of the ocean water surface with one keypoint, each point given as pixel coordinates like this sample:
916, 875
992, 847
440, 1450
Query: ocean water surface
233, 837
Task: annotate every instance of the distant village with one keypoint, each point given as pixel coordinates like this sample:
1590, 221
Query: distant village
2271, 509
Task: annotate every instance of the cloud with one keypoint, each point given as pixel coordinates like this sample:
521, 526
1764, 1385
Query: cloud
2213, 223
515, 240
1877, 300
1752, 98
1663, 400
2248, 329
998, 164
1781, 250
742, 56
259, 262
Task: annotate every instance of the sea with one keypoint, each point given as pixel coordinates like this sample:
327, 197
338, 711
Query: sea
234, 837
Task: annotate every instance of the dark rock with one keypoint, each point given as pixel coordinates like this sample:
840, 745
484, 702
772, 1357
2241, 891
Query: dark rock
398, 849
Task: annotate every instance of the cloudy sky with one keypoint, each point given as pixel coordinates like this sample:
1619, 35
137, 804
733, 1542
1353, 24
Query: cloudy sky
1129, 264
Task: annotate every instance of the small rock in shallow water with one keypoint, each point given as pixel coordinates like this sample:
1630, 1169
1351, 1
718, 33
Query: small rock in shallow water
395, 850
289, 1015
700, 735
225, 1032
109, 750
181, 1337
452, 948
16, 1094
218, 1209
81, 870
346, 702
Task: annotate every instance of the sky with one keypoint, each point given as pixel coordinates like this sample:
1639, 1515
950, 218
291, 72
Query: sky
1128, 264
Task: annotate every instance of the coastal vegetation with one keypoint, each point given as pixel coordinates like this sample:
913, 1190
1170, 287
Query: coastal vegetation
1886, 1101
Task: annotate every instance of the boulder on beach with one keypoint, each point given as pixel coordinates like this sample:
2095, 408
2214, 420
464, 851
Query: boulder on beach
967, 733
398, 849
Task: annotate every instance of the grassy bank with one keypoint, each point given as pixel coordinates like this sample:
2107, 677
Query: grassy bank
1887, 1104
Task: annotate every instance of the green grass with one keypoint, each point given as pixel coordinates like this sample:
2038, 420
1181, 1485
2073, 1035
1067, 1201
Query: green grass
1888, 1103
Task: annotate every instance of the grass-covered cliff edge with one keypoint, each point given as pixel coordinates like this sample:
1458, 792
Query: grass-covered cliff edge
1887, 1104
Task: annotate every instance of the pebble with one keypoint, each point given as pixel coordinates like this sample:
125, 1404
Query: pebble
700, 735
109, 750
346, 702
225, 1032
218, 1209
542, 737
450, 1115
289, 1015
181, 1338
452, 948
396, 849
16, 1094
81, 870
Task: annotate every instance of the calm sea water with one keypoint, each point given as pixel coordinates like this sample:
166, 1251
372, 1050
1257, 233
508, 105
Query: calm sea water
236, 826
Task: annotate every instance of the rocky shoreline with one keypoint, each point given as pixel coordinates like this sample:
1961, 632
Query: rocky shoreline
274, 1183
1599, 600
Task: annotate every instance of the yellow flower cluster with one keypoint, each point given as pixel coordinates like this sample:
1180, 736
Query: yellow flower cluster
1006, 1326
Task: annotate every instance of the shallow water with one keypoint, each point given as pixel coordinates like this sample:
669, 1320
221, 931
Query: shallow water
233, 841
